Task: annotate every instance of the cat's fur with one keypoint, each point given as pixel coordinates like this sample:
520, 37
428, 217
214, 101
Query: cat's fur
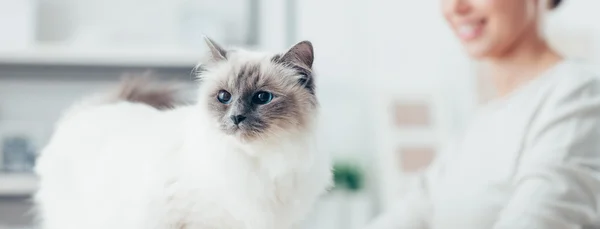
135, 160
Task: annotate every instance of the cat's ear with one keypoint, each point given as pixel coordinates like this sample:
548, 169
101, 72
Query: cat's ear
301, 53
216, 51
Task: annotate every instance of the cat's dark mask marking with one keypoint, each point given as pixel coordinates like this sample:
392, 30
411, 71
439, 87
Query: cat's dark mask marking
243, 84
244, 75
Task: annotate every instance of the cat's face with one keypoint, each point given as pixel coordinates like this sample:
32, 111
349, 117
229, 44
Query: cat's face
256, 96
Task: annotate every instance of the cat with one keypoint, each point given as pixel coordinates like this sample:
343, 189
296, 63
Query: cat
242, 156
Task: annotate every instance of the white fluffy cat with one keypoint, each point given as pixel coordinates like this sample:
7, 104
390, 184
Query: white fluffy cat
242, 157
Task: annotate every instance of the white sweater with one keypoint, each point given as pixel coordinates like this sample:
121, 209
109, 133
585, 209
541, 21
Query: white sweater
528, 161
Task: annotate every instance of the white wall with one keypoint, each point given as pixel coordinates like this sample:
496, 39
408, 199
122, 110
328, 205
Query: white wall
339, 64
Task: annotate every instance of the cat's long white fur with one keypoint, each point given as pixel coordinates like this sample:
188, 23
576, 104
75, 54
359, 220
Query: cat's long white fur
114, 164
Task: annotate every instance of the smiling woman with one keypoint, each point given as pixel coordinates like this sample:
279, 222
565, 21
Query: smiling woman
529, 158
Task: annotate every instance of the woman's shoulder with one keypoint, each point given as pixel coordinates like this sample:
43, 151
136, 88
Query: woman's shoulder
575, 81
570, 106
572, 94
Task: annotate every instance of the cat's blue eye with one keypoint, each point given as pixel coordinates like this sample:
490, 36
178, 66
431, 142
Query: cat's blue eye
262, 97
224, 97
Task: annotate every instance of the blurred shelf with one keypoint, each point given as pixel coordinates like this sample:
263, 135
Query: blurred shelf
17, 184
54, 55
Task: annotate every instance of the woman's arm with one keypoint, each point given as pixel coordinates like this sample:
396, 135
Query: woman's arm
414, 210
557, 185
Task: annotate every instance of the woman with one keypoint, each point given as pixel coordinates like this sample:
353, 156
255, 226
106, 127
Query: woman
531, 158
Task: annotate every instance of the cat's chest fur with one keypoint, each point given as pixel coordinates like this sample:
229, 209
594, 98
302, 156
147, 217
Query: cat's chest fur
217, 183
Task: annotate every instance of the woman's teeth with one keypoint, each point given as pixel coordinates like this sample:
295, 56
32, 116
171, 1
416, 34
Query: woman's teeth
469, 31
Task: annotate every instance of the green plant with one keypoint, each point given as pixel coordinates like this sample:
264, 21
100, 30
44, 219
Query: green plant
348, 176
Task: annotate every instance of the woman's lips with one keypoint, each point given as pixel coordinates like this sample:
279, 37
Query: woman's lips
470, 31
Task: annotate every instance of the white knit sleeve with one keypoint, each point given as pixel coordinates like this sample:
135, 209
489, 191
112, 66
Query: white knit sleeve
557, 182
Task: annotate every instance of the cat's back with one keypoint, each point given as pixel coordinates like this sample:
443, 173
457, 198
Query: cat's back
117, 131
107, 131
105, 161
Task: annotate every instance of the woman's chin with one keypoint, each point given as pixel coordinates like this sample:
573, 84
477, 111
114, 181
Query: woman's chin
482, 48
477, 52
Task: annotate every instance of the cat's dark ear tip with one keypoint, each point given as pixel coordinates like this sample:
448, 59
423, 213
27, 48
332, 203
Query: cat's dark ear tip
208, 40
217, 52
307, 43
301, 53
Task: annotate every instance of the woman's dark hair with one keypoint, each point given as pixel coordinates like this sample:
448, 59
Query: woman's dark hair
555, 3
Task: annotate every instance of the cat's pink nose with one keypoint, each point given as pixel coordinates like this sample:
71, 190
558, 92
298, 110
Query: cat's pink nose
237, 119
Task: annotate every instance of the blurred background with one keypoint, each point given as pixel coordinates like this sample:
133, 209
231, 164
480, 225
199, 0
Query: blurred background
393, 82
